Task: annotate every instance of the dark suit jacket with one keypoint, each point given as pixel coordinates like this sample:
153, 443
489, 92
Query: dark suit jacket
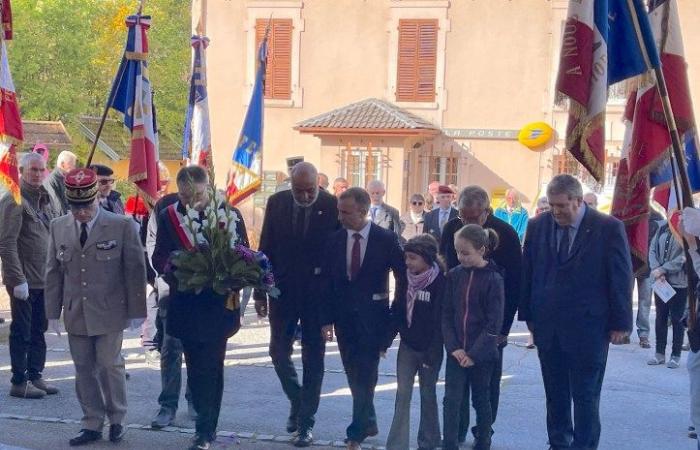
297, 262
580, 301
189, 319
389, 219
432, 222
360, 308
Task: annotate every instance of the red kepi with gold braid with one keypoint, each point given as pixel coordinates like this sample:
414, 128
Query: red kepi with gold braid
11, 134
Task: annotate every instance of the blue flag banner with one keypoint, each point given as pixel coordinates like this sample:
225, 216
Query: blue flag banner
244, 177
631, 46
663, 174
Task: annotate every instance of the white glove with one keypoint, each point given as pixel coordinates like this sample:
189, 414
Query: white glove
21, 291
54, 326
135, 324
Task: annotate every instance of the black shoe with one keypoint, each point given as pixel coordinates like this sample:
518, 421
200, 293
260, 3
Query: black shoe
85, 437
116, 432
292, 424
372, 430
164, 418
303, 439
200, 442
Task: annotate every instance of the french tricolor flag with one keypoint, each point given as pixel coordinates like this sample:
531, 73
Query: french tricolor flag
604, 42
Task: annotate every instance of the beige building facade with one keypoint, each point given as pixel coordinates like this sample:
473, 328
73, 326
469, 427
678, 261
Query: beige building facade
408, 91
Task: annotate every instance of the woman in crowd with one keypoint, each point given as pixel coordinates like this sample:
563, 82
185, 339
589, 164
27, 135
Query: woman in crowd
413, 220
471, 322
666, 262
420, 351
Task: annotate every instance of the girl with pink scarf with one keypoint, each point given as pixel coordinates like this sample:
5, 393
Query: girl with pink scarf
418, 320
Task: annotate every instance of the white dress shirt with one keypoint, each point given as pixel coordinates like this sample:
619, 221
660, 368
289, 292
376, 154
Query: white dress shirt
89, 224
364, 232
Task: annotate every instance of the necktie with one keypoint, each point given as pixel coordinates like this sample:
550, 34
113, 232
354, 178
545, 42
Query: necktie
563, 253
374, 212
83, 234
443, 219
355, 257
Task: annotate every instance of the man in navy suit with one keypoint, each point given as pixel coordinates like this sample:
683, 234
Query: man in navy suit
203, 327
576, 300
442, 212
359, 259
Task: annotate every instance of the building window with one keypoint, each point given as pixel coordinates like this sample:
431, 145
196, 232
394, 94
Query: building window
362, 166
278, 76
417, 60
444, 169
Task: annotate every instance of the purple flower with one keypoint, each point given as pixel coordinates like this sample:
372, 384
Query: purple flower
263, 261
247, 254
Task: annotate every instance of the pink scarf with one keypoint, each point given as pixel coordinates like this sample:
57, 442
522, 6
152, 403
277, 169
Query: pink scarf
417, 283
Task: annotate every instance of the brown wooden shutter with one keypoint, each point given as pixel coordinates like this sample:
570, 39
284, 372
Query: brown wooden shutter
417, 60
278, 75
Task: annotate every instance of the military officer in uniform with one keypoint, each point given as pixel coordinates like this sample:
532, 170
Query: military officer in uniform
96, 276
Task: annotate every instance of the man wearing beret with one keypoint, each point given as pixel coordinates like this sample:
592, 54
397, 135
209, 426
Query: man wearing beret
442, 213
109, 198
96, 276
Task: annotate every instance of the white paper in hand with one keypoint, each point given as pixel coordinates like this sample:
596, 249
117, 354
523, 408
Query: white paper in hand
664, 290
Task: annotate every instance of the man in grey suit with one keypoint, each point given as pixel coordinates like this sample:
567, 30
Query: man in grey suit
96, 275
380, 213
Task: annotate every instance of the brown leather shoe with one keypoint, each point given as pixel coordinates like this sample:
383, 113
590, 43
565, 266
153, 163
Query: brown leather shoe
41, 384
26, 390
644, 342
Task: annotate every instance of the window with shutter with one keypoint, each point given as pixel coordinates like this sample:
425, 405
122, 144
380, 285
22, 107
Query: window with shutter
417, 60
278, 76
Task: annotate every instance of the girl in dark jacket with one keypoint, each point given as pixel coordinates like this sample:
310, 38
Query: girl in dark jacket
472, 315
418, 319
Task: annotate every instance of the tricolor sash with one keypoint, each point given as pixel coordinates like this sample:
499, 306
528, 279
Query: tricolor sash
176, 220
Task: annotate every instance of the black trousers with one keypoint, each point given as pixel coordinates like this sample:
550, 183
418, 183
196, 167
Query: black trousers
205, 378
675, 307
27, 344
304, 398
361, 363
457, 380
573, 375
495, 395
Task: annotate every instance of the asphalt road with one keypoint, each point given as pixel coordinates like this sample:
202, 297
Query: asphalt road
642, 407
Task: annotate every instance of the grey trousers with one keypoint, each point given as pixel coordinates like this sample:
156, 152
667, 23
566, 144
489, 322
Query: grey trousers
643, 306
100, 378
693, 363
408, 363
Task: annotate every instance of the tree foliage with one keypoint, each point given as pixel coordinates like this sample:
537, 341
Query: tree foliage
65, 54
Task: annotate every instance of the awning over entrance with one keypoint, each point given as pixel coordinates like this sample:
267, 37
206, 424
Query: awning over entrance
369, 117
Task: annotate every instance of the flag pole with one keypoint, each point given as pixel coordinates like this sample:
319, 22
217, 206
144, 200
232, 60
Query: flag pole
112, 94
685, 195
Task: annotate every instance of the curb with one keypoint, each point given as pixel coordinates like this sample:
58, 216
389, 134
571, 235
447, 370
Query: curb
226, 435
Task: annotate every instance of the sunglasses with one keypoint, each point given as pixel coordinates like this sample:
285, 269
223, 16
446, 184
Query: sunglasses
416, 203
107, 181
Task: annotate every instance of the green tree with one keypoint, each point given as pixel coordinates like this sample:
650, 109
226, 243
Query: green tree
65, 54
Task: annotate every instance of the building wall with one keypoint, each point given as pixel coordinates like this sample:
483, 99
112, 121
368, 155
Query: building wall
498, 71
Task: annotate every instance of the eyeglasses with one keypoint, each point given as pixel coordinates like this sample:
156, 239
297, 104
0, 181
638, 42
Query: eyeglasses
417, 203
107, 181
